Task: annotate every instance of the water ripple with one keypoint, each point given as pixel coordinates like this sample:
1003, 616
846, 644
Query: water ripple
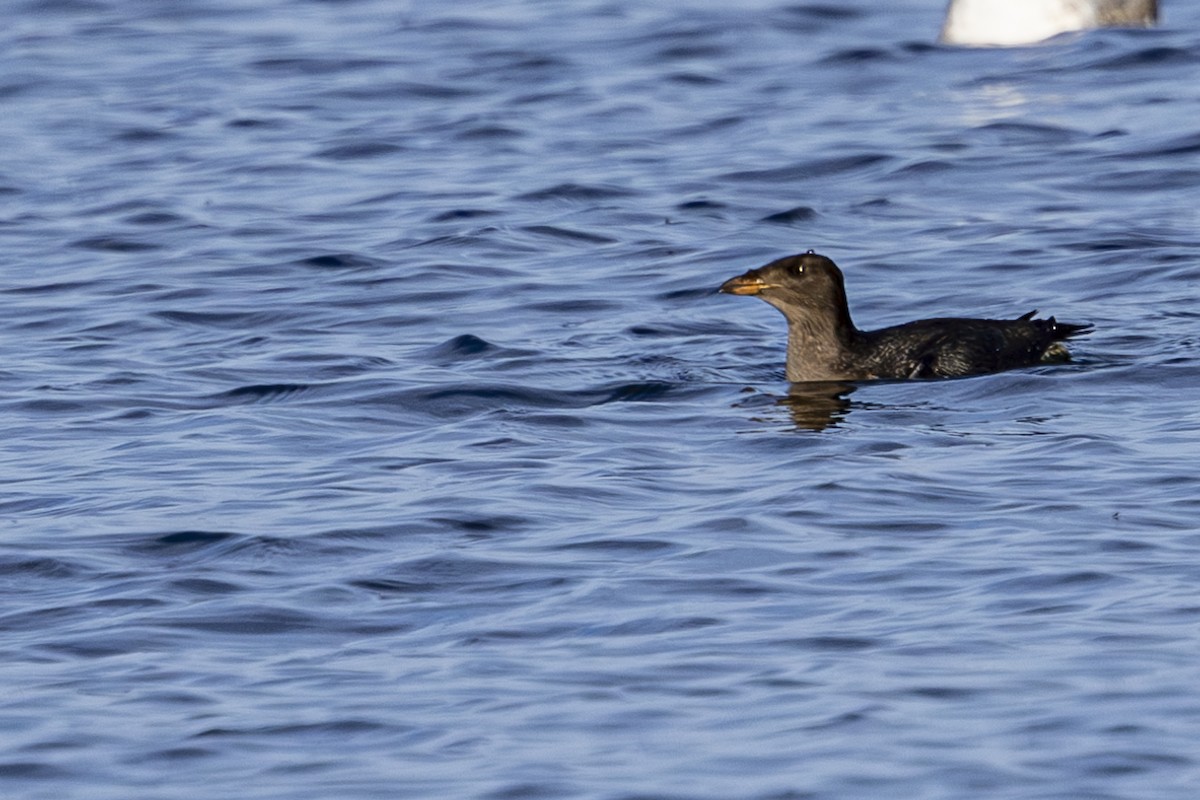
373, 428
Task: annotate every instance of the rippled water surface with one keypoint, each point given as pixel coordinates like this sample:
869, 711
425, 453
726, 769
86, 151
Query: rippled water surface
372, 428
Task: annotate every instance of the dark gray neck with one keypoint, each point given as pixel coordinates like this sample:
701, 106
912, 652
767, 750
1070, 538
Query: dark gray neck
819, 348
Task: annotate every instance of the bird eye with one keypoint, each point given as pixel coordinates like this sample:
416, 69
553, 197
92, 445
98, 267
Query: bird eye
798, 268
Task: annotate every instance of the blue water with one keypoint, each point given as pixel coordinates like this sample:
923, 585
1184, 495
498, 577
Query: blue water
372, 427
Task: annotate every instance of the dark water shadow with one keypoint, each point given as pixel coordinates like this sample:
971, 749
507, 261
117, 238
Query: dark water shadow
810, 406
817, 406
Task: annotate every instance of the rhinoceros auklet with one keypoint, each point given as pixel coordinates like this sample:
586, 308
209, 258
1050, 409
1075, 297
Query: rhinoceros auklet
824, 345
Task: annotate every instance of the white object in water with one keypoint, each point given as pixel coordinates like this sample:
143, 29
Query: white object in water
1001, 22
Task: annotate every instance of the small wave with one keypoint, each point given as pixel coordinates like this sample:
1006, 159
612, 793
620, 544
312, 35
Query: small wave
814, 168
461, 347
358, 150
114, 244
339, 261
263, 392
860, 55
459, 400
576, 191
240, 320
792, 216
568, 234
316, 66
1148, 57
459, 214
191, 539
